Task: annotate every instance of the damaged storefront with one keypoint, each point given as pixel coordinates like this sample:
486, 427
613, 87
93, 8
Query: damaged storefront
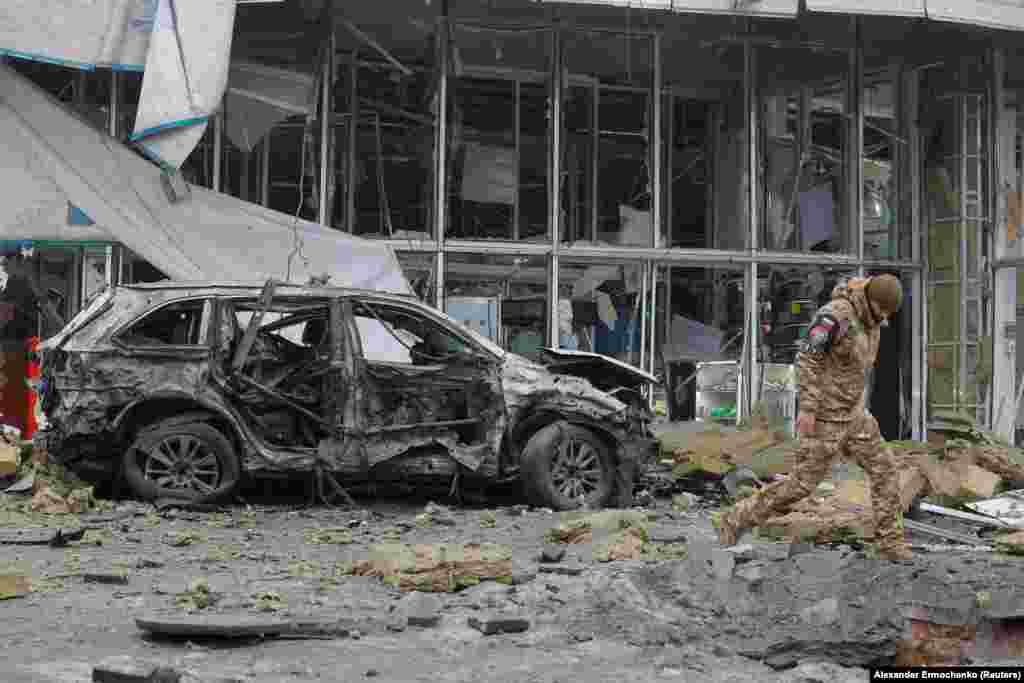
676, 187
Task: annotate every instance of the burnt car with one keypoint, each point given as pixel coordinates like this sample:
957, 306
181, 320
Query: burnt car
183, 389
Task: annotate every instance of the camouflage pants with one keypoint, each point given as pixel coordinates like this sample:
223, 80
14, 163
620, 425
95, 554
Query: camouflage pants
858, 440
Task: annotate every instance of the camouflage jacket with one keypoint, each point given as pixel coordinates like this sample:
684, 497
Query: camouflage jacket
841, 346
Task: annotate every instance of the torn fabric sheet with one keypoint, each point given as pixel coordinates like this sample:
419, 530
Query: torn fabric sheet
186, 74
81, 34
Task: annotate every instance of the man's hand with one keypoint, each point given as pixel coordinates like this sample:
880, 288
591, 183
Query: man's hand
805, 424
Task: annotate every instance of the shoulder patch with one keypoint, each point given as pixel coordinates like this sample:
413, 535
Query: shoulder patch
824, 329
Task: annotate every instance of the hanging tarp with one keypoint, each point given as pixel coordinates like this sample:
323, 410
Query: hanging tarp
54, 159
1000, 14
769, 8
259, 97
186, 74
83, 34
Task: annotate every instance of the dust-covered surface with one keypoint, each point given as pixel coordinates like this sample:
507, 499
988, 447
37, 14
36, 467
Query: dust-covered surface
752, 613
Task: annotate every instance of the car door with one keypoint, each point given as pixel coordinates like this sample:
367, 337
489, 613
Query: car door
167, 350
423, 381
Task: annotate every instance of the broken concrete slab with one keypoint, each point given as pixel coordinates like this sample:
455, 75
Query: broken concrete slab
552, 553
495, 622
28, 536
14, 586
823, 613
238, 626
128, 669
420, 609
112, 577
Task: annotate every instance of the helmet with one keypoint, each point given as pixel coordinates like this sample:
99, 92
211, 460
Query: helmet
886, 292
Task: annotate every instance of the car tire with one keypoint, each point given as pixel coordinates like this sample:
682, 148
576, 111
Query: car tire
168, 451
561, 461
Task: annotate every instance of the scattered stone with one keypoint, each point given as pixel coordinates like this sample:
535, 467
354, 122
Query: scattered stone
552, 553
752, 572
722, 564
563, 569
127, 669
370, 673
800, 549
821, 613
421, 609
516, 510
684, 501
491, 624
523, 575
111, 577
149, 563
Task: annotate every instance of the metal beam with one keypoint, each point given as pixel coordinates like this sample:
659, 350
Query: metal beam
360, 35
442, 48
748, 364
218, 150
326, 130
855, 152
556, 93
656, 138
351, 146
115, 101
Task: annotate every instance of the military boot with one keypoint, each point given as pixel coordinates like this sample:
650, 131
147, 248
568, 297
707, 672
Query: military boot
895, 553
728, 528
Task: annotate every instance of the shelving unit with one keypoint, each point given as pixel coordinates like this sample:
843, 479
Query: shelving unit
719, 392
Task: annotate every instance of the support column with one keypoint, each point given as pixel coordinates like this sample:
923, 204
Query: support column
115, 101
749, 364
218, 150
555, 96
326, 126
265, 169
855, 151
910, 193
352, 144
441, 157
656, 137
1004, 325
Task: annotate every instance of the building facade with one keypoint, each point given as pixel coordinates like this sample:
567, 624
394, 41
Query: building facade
668, 186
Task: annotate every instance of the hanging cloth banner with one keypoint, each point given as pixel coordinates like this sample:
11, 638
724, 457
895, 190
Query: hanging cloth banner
186, 74
763, 8
259, 97
82, 34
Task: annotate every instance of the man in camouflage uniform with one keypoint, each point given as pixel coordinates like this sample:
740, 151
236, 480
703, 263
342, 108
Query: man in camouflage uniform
840, 348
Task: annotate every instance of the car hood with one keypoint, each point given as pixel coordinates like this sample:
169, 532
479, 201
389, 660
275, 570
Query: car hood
604, 372
527, 384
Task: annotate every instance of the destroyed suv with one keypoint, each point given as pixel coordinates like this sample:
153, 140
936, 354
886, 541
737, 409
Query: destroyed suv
182, 389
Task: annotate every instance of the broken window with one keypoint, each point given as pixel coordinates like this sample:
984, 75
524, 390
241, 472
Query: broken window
177, 324
397, 336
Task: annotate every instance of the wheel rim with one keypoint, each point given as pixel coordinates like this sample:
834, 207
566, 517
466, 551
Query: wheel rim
183, 462
576, 470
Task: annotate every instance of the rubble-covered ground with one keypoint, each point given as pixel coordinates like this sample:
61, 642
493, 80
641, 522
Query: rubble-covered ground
751, 614
407, 589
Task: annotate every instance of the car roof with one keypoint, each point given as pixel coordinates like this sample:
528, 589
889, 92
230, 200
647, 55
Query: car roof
235, 287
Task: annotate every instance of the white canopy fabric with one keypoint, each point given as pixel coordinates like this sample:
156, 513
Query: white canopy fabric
186, 73
997, 14
259, 97
53, 159
82, 34
767, 8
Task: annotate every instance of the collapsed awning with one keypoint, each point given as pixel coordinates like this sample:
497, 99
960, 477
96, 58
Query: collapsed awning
259, 97
54, 160
186, 73
762, 8
997, 14
83, 35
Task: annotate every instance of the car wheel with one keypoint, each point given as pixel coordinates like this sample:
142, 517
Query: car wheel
191, 461
564, 465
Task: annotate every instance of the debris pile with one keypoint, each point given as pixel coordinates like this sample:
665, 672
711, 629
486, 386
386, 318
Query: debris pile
436, 568
613, 535
960, 466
